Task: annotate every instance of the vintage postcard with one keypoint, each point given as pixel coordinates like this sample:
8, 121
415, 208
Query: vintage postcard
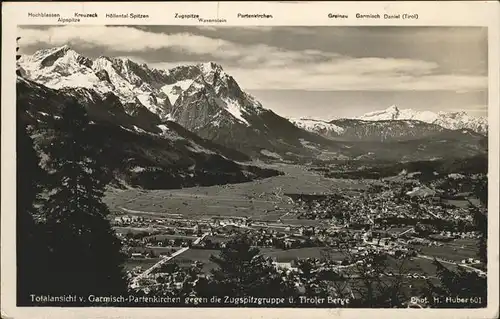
250, 159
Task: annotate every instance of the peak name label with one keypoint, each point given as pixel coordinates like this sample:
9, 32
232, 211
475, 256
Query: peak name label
126, 16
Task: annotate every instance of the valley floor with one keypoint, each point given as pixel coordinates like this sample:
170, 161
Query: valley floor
261, 199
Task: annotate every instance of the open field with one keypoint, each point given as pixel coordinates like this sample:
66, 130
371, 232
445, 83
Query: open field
413, 265
261, 199
456, 250
461, 203
466, 242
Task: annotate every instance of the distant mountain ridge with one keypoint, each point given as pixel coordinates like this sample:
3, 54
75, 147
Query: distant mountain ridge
393, 124
376, 131
449, 120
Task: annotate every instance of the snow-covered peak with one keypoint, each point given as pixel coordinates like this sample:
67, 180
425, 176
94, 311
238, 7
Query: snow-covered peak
390, 113
449, 120
392, 109
453, 114
209, 67
102, 62
317, 126
127, 61
42, 54
214, 74
61, 67
47, 58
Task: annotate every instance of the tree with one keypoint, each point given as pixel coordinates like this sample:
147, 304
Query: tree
463, 282
375, 279
178, 241
30, 240
480, 190
169, 268
85, 255
242, 271
318, 282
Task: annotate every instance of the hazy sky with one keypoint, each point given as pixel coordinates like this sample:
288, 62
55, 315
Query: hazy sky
318, 72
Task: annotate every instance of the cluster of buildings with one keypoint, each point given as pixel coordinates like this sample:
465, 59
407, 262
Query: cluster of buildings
470, 261
389, 207
458, 235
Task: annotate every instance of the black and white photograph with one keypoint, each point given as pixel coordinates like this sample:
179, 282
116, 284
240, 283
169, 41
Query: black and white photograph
252, 166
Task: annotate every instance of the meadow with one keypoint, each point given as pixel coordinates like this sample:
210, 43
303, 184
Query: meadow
261, 199
456, 250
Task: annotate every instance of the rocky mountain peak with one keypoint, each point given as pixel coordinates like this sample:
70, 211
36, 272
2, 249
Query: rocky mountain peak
47, 57
210, 66
392, 109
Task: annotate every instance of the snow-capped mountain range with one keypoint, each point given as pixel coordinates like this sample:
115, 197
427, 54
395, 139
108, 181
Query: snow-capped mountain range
208, 102
202, 98
318, 126
380, 131
134, 84
160, 90
394, 124
449, 120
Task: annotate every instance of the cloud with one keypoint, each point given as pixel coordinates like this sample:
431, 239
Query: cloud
304, 79
346, 74
261, 66
207, 28
119, 38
